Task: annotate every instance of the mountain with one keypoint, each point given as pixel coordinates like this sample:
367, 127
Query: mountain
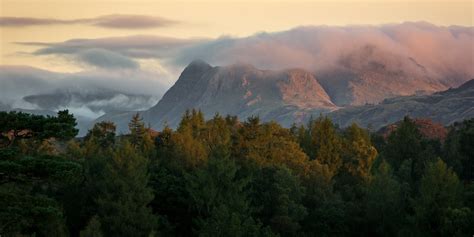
294, 95
98, 100
88, 94
369, 74
286, 96
444, 107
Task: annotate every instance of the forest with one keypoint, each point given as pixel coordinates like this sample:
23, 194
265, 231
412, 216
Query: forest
225, 177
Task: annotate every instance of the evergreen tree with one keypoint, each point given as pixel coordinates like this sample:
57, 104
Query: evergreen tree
140, 136
93, 228
221, 199
103, 133
384, 203
123, 204
279, 194
438, 201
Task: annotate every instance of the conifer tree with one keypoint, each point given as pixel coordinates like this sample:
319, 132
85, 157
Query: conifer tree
103, 133
123, 202
279, 195
140, 136
439, 198
221, 199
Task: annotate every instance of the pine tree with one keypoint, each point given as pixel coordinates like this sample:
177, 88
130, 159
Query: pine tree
140, 136
123, 203
221, 199
279, 195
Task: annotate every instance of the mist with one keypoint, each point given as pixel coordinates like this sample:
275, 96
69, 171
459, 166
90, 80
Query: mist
88, 94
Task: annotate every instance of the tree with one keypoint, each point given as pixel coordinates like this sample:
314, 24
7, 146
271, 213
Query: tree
18, 125
325, 208
327, 143
267, 145
61, 127
279, 195
103, 133
123, 204
140, 136
384, 203
439, 199
93, 228
359, 154
221, 199
406, 146
30, 193
459, 151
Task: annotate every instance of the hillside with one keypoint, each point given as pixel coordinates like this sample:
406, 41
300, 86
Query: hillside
444, 107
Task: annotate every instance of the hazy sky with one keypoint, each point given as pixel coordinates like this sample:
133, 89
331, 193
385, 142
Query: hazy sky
60, 20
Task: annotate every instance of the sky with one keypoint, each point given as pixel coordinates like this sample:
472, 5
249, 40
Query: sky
139, 47
203, 19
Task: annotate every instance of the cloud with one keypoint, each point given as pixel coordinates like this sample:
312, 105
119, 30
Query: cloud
136, 46
119, 21
28, 21
413, 50
97, 90
106, 59
419, 48
131, 21
414, 47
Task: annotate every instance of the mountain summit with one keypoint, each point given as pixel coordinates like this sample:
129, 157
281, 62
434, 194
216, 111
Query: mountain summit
293, 96
241, 90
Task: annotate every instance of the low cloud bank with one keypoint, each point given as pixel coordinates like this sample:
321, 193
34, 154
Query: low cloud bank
90, 94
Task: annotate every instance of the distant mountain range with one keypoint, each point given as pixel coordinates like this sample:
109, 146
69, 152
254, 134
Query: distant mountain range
294, 95
444, 107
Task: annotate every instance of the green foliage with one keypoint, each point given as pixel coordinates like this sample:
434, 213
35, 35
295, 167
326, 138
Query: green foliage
326, 143
140, 136
93, 228
29, 214
439, 200
359, 154
406, 148
384, 203
223, 177
103, 134
459, 151
221, 199
123, 203
17, 125
268, 145
279, 195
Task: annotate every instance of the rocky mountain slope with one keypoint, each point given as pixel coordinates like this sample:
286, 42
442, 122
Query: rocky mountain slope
444, 107
368, 75
294, 95
286, 96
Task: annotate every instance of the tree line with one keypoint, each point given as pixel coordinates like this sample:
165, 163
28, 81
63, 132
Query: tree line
225, 177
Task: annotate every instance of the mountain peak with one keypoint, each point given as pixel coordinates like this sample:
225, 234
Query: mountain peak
199, 63
243, 90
